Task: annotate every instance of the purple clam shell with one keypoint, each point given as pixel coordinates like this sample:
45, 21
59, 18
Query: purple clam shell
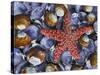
50, 7
32, 31
37, 13
82, 59
19, 67
85, 52
16, 57
82, 15
91, 48
77, 8
95, 10
18, 8
41, 67
66, 58
47, 43
75, 19
83, 23
95, 26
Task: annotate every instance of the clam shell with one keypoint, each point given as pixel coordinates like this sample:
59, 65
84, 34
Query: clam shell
76, 67
47, 43
22, 39
17, 8
66, 58
84, 41
18, 68
91, 18
88, 9
38, 12
60, 10
36, 56
93, 60
75, 19
32, 31
51, 67
50, 19
82, 59
21, 22
16, 57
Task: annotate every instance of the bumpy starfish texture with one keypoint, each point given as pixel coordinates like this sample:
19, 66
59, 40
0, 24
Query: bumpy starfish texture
66, 38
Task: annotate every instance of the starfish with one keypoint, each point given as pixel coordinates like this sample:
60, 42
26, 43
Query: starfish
66, 38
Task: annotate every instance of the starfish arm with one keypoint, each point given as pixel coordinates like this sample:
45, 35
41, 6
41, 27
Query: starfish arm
67, 22
80, 31
58, 51
72, 48
53, 34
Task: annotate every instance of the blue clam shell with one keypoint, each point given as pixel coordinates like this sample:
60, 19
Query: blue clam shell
19, 67
82, 15
26, 49
37, 13
32, 31
28, 7
37, 48
77, 8
75, 19
95, 26
83, 23
95, 10
47, 43
18, 8
82, 59
88, 50
50, 7
91, 48
34, 5
41, 67
66, 58
16, 57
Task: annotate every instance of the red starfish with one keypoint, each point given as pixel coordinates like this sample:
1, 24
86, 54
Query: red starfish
66, 39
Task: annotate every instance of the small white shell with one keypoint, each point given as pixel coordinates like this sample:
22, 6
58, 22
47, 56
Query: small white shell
85, 38
59, 11
91, 17
88, 8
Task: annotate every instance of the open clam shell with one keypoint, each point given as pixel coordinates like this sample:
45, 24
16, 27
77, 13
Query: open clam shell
36, 56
